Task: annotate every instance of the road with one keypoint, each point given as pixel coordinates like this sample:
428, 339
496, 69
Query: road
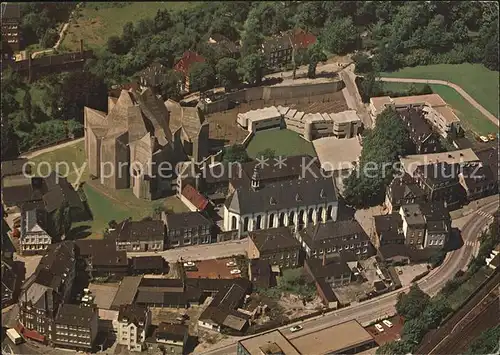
382, 306
200, 252
461, 91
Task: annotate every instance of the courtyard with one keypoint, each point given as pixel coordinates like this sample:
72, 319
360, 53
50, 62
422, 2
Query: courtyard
283, 142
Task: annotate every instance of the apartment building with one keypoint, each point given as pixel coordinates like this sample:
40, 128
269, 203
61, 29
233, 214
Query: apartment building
11, 26
139, 235
413, 224
76, 327
34, 238
190, 228
276, 246
133, 323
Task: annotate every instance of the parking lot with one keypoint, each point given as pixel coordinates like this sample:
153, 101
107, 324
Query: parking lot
213, 269
409, 272
390, 333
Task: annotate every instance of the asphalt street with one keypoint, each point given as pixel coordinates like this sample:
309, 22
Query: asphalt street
382, 306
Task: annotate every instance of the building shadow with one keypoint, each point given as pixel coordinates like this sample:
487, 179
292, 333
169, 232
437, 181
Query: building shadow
345, 212
79, 232
455, 241
191, 344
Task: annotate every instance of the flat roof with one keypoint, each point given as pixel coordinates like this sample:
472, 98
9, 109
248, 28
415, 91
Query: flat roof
127, 291
337, 154
337, 338
262, 114
256, 344
411, 162
447, 113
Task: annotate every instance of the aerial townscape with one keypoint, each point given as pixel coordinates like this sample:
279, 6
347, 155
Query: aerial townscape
250, 177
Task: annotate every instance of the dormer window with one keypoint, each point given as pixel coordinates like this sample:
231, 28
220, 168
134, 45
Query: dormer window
272, 201
298, 197
322, 194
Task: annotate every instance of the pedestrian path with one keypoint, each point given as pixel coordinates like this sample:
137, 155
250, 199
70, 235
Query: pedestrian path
485, 214
470, 243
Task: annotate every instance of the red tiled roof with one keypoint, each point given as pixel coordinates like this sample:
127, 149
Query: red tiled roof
303, 39
193, 196
32, 334
187, 60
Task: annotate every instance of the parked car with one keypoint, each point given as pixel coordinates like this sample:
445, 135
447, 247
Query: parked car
387, 322
235, 272
491, 137
189, 264
483, 139
231, 263
379, 328
295, 328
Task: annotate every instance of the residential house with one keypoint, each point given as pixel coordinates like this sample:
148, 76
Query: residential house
12, 34
148, 265
480, 180
328, 273
139, 235
440, 182
295, 194
76, 327
225, 45
153, 77
10, 282
189, 228
15, 171
46, 290
438, 224
169, 338
421, 134
215, 182
133, 324
413, 224
260, 273
388, 230
278, 50
193, 199
402, 191
100, 258
184, 65
275, 245
335, 237
35, 237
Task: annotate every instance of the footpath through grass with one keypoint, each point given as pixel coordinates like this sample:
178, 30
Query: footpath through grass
477, 80
100, 20
284, 142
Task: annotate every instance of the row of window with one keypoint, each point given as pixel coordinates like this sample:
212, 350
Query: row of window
73, 334
188, 241
283, 256
29, 240
340, 248
189, 232
34, 247
436, 242
71, 327
12, 41
12, 34
74, 341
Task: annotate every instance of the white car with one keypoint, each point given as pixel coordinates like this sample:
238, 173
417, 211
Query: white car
189, 264
484, 139
379, 328
231, 263
295, 328
387, 323
235, 272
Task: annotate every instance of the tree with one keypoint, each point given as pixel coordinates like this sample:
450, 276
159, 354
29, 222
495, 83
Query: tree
49, 39
115, 45
316, 55
363, 63
10, 144
61, 221
252, 68
395, 348
436, 311
170, 87
201, 77
235, 153
27, 105
128, 36
412, 304
267, 153
369, 86
414, 330
486, 343
227, 72
340, 36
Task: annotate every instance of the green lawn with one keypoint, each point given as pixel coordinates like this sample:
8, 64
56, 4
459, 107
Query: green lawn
98, 21
283, 142
400, 87
478, 81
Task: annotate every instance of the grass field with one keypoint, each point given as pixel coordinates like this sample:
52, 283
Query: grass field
471, 118
478, 81
105, 204
283, 142
457, 298
98, 21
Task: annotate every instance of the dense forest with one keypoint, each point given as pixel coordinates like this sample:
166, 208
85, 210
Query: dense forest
392, 34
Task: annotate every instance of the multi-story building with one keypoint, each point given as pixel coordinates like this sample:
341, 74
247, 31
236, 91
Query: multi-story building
276, 246
419, 130
413, 224
438, 224
34, 238
10, 282
342, 237
388, 230
292, 194
170, 338
133, 323
278, 50
101, 259
402, 191
75, 327
46, 290
139, 235
190, 228
184, 66
11, 27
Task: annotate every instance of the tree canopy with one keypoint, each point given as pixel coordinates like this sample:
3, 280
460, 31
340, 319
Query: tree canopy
235, 153
412, 304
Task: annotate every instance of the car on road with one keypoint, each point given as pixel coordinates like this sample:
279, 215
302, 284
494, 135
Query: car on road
379, 328
295, 328
189, 264
231, 263
387, 322
235, 272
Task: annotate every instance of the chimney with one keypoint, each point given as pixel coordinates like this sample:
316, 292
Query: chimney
324, 258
